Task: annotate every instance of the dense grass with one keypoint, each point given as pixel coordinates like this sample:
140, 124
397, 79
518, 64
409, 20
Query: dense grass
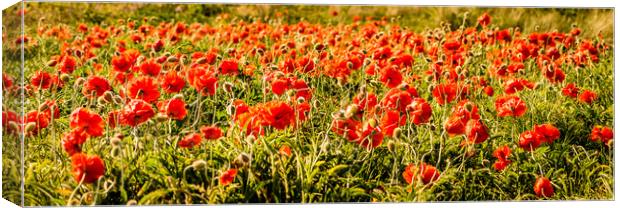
150, 168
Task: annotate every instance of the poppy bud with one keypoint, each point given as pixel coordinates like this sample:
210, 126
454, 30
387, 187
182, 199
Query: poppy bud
132, 203
199, 165
351, 110
166, 54
160, 117
65, 77
79, 82
43, 107
372, 122
108, 96
115, 141
117, 53
349, 65
52, 63
243, 159
201, 60
13, 125
30, 126
250, 138
391, 145
118, 100
177, 68
116, 151
341, 81
172, 59
78, 53
228, 87
397, 132
102, 101
301, 99
178, 96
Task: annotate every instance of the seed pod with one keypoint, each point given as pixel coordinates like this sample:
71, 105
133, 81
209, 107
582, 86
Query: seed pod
243, 160
199, 165
351, 110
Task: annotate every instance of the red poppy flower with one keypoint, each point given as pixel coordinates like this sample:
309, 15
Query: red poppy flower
500, 165
390, 76
72, 141
229, 67
150, 67
203, 80
446, 93
370, 137
392, 120
121, 63
41, 80
228, 177
419, 111
515, 85
587, 96
171, 82
602, 134
302, 89
173, 108
190, 140
484, 20
510, 106
87, 121
399, 98
549, 132
211, 132
502, 153
476, 131
543, 187
570, 90
427, 173
95, 85
67, 65
136, 112
51, 108
530, 140
366, 102
488, 90
144, 88
7, 82
285, 150
39, 118
114, 118
278, 114
87, 167
279, 86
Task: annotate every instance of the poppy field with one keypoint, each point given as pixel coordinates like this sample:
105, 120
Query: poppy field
211, 104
